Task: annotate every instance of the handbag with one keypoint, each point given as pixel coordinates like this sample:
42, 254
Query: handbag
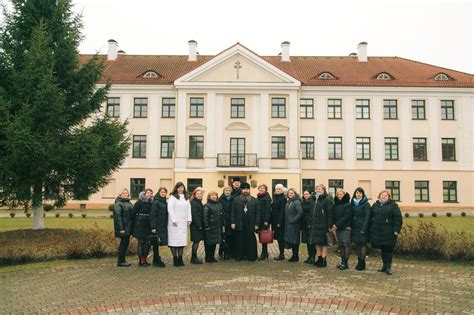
331, 238
265, 236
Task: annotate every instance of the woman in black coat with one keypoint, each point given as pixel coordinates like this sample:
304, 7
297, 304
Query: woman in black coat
360, 225
123, 223
213, 225
342, 218
226, 249
320, 223
159, 224
197, 225
278, 219
307, 204
293, 216
385, 225
141, 225
265, 202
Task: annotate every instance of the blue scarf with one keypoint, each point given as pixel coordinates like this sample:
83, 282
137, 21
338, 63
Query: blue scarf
356, 202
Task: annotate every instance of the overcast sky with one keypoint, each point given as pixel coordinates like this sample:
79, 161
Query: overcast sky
435, 32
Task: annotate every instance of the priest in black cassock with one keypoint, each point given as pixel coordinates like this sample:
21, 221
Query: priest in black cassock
245, 220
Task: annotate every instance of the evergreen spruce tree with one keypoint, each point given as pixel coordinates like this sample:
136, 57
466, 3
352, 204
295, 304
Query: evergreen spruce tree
54, 142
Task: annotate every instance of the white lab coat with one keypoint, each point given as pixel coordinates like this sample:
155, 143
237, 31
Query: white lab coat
179, 211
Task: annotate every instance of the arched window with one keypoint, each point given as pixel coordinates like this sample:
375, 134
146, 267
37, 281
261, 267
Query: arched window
384, 76
326, 76
442, 77
151, 75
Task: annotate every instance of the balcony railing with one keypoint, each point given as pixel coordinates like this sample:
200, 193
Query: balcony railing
236, 160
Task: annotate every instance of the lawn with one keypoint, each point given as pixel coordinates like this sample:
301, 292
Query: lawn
453, 224
11, 224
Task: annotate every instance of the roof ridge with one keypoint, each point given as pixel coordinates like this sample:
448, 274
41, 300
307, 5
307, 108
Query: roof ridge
431, 65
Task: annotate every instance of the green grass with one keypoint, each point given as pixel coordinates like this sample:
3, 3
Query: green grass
453, 224
11, 224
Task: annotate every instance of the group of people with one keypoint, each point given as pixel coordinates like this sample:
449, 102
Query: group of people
234, 219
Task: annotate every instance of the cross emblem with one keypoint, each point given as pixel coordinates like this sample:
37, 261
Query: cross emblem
237, 66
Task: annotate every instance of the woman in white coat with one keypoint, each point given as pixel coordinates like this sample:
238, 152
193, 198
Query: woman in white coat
179, 217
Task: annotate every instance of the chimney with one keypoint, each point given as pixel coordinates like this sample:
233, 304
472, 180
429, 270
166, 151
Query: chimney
285, 51
192, 50
362, 52
113, 50
122, 52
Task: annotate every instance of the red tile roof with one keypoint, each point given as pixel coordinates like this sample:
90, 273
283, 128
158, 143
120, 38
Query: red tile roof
129, 69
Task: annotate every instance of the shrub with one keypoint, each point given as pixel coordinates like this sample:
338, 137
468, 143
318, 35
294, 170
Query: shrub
57, 214
84, 215
47, 207
434, 214
28, 214
111, 216
463, 214
111, 207
12, 214
449, 214
70, 215
421, 215
407, 215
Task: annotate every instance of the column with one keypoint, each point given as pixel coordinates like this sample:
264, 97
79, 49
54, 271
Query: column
181, 105
348, 109
210, 141
405, 142
377, 140
293, 141
321, 145
152, 137
434, 142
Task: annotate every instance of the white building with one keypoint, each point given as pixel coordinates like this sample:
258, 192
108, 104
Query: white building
375, 122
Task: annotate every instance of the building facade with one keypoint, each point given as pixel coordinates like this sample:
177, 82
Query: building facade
374, 122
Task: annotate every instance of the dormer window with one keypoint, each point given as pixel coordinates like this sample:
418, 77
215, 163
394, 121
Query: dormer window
384, 76
326, 76
151, 75
442, 77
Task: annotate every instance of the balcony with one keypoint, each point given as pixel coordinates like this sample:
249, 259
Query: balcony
236, 160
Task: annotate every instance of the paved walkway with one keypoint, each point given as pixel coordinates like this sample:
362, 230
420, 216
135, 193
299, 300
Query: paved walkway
97, 286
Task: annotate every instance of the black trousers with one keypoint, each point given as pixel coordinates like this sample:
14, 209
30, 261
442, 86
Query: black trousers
387, 254
122, 250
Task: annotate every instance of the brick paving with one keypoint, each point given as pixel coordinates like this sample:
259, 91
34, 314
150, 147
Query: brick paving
268, 287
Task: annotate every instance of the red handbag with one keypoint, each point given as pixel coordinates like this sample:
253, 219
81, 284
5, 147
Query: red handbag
265, 236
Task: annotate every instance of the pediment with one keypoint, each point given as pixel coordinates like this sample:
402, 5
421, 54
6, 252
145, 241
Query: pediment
237, 126
196, 126
237, 65
278, 127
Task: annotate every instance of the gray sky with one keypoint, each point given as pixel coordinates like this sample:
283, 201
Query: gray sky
435, 32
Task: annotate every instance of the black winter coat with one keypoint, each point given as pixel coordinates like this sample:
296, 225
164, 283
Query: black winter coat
385, 219
360, 221
265, 203
213, 222
306, 205
253, 211
278, 216
227, 208
342, 212
319, 220
141, 224
293, 217
197, 225
159, 218
123, 216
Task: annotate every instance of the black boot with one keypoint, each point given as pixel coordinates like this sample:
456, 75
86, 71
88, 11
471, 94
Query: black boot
388, 270
175, 261
157, 262
323, 263
359, 264
344, 265
383, 268
264, 255
339, 265
123, 264
362, 264
180, 261
317, 263
195, 260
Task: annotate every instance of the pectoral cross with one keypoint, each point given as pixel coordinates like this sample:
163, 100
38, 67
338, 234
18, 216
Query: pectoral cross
237, 66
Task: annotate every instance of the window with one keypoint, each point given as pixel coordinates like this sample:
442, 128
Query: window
196, 147
139, 147
334, 185
384, 76
393, 187
447, 110
335, 148
113, 106
307, 184
196, 107
278, 147
140, 107
422, 190
193, 183
137, 185
237, 151
363, 148
275, 182
390, 109
237, 108
448, 149
307, 148
391, 149
168, 107
167, 147
450, 191
420, 150
306, 108
442, 77
362, 109
151, 75
326, 76
335, 109
418, 110
278, 108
